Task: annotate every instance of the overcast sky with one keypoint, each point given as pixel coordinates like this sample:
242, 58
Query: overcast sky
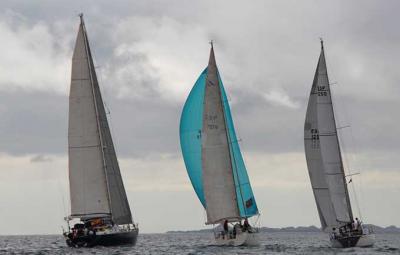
149, 54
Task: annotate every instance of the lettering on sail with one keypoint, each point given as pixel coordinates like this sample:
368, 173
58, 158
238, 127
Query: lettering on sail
210, 83
211, 119
322, 91
314, 138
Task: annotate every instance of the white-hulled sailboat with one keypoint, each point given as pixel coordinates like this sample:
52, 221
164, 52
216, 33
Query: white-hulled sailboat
325, 167
214, 162
100, 213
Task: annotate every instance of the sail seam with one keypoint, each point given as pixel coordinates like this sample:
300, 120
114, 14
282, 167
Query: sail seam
88, 146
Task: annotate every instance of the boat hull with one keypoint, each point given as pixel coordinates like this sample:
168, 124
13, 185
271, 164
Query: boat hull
241, 239
365, 240
108, 239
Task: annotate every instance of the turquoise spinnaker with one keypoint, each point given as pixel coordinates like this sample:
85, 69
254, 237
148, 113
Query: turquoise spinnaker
191, 143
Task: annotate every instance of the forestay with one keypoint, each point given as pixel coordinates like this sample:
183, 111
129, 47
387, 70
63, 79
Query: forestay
96, 187
323, 153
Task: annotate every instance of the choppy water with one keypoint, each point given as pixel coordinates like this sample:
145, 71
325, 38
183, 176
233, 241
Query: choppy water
195, 243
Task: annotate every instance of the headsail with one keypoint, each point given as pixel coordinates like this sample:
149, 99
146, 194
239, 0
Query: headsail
323, 153
96, 186
211, 150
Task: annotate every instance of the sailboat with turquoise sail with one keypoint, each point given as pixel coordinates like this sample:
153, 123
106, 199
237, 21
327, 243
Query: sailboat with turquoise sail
325, 167
214, 162
100, 212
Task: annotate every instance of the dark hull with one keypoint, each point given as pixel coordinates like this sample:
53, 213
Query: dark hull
349, 241
354, 241
113, 239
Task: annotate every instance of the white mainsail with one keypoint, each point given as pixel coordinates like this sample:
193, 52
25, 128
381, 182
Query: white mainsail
218, 179
96, 187
323, 155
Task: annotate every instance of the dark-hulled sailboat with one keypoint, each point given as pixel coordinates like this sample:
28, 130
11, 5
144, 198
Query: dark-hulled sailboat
325, 166
100, 212
214, 162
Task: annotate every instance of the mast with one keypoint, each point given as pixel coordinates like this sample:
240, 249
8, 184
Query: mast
338, 143
90, 66
218, 176
235, 174
231, 152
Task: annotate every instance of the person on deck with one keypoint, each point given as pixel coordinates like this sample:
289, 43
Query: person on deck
226, 228
358, 224
355, 224
349, 226
235, 229
246, 225
334, 234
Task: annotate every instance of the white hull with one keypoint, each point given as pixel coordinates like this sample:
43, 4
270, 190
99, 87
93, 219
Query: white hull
366, 240
241, 239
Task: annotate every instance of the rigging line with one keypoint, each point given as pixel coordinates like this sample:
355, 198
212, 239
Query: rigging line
353, 155
108, 119
352, 174
62, 194
105, 94
91, 75
346, 155
349, 169
347, 126
233, 159
349, 208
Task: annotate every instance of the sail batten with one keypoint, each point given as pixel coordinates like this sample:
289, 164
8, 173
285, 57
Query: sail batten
96, 185
323, 153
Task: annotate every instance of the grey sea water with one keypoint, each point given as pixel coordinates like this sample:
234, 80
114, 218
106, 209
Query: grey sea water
199, 243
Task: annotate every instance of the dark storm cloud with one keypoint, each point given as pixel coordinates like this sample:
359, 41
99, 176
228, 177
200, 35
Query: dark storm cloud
33, 122
259, 53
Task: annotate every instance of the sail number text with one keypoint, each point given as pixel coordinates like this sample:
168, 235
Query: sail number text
322, 91
314, 138
314, 134
211, 119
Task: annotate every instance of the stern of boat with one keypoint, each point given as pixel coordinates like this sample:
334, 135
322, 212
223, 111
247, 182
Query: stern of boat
364, 240
240, 239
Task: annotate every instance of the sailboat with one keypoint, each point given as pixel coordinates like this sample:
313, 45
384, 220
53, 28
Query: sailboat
100, 213
325, 167
214, 162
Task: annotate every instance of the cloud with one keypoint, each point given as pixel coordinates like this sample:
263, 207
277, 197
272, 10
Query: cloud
157, 57
35, 55
157, 173
279, 98
40, 158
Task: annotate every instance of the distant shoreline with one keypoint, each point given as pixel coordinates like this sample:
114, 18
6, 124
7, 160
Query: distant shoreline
313, 229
